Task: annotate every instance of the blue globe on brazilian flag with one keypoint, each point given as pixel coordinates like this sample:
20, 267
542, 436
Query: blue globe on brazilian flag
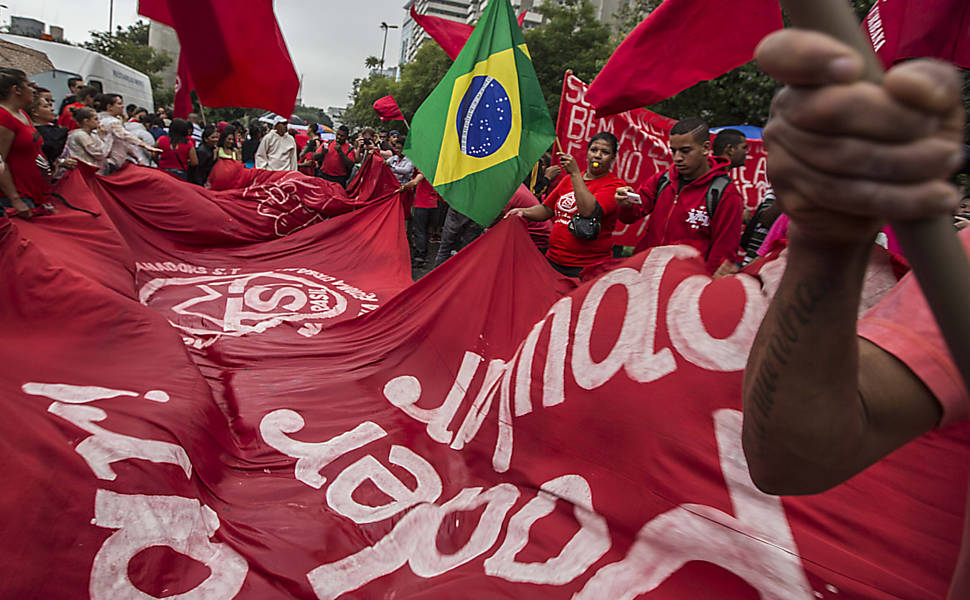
479, 133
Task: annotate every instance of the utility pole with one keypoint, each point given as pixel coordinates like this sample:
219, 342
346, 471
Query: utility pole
385, 27
111, 17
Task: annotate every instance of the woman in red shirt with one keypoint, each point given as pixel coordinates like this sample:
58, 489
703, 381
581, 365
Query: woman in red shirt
586, 194
178, 151
22, 183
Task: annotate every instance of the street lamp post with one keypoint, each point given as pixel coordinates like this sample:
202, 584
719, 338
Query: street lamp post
385, 27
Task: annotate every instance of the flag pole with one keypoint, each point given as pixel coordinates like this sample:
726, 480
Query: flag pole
930, 245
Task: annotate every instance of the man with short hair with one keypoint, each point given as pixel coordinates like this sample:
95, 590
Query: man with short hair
336, 158
84, 97
277, 150
73, 84
732, 145
693, 203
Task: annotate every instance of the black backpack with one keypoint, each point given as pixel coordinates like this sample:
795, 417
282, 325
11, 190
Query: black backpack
711, 198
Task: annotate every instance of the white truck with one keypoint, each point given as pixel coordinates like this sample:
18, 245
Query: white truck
97, 70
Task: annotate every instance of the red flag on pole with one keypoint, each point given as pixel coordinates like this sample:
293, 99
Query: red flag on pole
235, 57
450, 35
681, 43
387, 108
183, 90
900, 29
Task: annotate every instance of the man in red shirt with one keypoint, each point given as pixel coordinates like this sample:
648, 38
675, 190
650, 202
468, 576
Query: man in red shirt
680, 200
826, 396
85, 97
337, 157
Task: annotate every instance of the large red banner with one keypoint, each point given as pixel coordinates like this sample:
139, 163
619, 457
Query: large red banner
196, 407
644, 148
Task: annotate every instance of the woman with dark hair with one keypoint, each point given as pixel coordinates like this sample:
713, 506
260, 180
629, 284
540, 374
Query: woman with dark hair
250, 146
178, 151
44, 120
207, 155
22, 183
121, 142
227, 149
581, 196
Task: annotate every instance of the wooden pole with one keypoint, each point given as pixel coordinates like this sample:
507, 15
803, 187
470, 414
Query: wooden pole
931, 245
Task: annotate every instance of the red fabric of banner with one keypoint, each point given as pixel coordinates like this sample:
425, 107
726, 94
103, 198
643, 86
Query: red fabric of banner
680, 43
388, 110
241, 425
644, 149
235, 57
901, 29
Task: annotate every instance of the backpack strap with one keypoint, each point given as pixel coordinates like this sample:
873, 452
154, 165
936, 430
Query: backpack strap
714, 193
662, 183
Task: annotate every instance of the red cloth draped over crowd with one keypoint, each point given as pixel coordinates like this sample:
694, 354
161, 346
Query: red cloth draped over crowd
201, 401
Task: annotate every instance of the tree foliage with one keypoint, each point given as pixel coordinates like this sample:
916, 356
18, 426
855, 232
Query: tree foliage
418, 78
570, 38
130, 47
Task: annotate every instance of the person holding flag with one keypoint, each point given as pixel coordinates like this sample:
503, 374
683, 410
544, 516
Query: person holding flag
588, 195
481, 130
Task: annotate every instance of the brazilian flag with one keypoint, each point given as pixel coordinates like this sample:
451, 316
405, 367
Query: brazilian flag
479, 133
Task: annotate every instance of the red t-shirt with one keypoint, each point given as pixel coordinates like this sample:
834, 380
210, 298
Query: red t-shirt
565, 248
332, 163
22, 158
903, 325
67, 117
177, 158
301, 139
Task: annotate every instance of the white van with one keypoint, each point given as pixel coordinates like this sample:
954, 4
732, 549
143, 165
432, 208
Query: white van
103, 73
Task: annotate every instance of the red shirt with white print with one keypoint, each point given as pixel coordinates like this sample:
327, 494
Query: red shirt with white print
679, 215
565, 248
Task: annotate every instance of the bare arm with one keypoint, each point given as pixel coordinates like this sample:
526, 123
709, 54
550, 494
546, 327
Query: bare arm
193, 157
539, 212
820, 404
585, 200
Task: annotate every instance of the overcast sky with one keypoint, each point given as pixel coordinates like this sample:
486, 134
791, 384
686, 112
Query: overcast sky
328, 39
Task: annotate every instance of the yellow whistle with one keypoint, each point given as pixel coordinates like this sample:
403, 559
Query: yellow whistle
596, 165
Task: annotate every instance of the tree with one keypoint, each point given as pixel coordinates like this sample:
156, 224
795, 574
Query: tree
421, 76
130, 47
570, 38
418, 79
372, 62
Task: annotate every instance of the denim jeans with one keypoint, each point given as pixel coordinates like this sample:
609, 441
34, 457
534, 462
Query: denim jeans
457, 232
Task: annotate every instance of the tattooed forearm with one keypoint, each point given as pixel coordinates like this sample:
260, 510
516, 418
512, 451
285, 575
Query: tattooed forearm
791, 317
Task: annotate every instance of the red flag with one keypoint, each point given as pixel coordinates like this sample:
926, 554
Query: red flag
235, 57
387, 108
450, 35
900, 29
681, 43
183, 90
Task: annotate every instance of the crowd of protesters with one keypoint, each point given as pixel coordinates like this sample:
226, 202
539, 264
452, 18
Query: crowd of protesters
571, 213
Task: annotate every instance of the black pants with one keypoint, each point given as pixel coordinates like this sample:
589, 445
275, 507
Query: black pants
420, 224
567, 271
457, 232
334, 178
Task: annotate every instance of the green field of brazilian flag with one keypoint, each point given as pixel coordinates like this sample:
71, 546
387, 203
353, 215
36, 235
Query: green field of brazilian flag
479, 133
